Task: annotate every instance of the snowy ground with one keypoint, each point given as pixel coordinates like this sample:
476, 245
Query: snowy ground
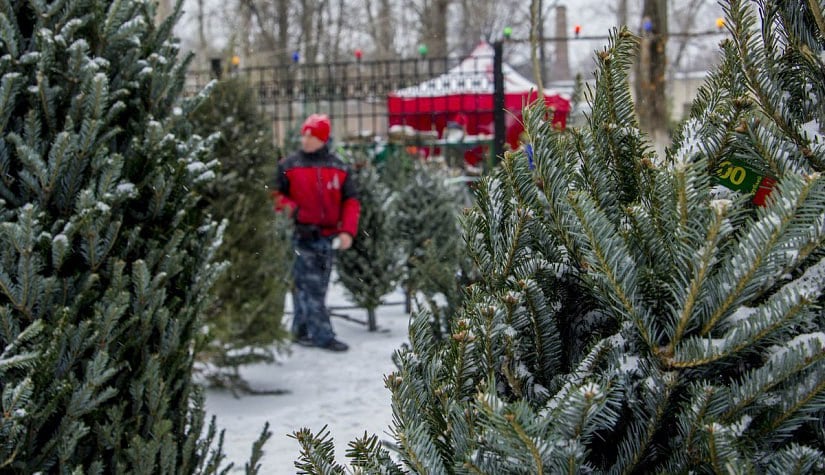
342, 390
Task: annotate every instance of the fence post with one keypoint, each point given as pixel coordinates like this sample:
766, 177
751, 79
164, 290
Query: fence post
217, 68
498, 103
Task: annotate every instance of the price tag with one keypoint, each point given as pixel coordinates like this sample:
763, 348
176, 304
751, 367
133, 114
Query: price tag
738, 176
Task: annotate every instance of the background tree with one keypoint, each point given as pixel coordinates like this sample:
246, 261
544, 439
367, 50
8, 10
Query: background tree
271, 25
381, 25
427, 228
650, 81
107, 259
371, 268
685, 17
244, 323
432, 16
630, 318
483, 20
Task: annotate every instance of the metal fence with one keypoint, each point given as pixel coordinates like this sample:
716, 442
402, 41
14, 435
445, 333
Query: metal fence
356, 94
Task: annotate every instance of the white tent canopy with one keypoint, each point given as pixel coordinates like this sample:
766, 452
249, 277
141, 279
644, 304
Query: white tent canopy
474, 75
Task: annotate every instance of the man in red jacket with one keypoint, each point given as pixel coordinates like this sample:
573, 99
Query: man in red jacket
316, 187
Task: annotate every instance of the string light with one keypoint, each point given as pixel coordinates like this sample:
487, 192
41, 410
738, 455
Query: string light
647, 25
683, 34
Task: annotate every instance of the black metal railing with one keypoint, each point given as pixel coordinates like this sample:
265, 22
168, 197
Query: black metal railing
356, 95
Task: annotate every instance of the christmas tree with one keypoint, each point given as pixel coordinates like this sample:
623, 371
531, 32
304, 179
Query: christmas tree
246, 318
634, 316
107, 259
371, 268
427, 224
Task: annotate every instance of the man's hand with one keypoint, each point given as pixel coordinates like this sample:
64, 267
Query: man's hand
345, 240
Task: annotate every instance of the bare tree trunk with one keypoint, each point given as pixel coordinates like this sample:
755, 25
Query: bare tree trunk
386, 30
434, 20
306, 37
534, 41
163, 11
687, 21
381, 28
246, 31
339, 24
371, 320
203, 47
332, 49
651, 98
621, 16
282, 15
561, 67
542, 61
249, 7
311, 21
315, 47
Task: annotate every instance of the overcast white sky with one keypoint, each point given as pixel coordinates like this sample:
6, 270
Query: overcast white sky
596, 18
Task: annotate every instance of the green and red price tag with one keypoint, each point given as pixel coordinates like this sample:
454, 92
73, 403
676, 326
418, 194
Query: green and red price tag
738, 176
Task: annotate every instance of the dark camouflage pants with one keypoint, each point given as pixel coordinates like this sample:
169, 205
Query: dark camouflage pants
311, 271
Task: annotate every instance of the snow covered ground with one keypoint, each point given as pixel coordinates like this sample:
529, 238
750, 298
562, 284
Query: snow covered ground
342, 390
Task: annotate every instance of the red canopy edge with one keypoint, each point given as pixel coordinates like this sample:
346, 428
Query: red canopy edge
474, 111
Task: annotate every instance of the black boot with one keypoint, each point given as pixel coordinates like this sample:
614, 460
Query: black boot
335, 345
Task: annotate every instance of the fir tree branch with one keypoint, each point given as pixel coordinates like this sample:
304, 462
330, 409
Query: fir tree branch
253, 466
528, 443
764, 380
715, 462
745, 40
553, 175
775, 221
647, 423
787, 413
317, 452
697, 417
704, 265
462, 338
620, 280
816, 12
788, 316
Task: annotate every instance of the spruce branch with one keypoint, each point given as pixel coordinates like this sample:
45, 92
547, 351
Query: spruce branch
801, 404
756, 245
791, 360
754, 58
697, 351
819, 18
528, 443
706, 259
9, 33
253, 465
10, 87
649, 411
369, 456
692, 418
608, 257
796, 459
723, 454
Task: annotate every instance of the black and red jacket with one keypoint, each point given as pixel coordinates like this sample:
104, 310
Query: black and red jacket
317, 189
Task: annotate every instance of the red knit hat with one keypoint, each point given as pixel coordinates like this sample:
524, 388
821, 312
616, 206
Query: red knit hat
318, 126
